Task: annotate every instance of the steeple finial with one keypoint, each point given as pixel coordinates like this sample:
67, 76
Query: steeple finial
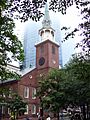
46, 21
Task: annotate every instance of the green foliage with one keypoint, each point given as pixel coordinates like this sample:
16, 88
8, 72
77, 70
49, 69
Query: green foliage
51, 91
10, 46
27, 9
85, 27
70, 85
16, 105
3, 93
78, 80
10, 99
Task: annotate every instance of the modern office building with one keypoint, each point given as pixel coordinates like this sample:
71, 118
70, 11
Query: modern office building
31, 37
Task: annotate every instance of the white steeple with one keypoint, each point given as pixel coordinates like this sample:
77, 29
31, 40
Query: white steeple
46, 32
46, 23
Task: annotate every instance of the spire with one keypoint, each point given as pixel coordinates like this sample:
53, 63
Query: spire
46, 21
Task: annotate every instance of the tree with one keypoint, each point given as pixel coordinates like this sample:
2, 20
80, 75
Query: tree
11, 101
77, 83
10, 46
17, 106
83, 28
50, 91
77, 72
70, 85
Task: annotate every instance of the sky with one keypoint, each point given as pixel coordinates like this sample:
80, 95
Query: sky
71, 19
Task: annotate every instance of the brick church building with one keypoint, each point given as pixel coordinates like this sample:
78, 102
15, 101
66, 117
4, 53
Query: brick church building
47, 57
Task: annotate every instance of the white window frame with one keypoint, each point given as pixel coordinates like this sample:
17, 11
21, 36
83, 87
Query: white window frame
9, 112
27, 110
33, 110
33, 93
2, 109
10, 92
26, 92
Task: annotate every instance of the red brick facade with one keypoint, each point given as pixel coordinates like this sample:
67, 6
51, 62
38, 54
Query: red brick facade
49, 51
51, 59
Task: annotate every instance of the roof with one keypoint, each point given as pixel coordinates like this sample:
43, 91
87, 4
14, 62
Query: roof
54, 42
27, 70
7, 81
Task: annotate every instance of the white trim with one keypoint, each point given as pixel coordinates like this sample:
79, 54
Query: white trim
26, 92
33, 109
27, 109
33, 93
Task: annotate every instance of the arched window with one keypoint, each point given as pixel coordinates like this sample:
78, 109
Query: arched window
27, 109
33, 110
26, 92
33, 93
42, 33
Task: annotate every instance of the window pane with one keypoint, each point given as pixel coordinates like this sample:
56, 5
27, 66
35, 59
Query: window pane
10, 92
33, 93
26, 92
26, 109
33, 109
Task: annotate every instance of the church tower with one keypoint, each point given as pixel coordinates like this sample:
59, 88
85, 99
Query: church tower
47, 49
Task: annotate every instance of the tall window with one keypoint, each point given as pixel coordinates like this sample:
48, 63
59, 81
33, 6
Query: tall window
33, 93
10, 92
27, 109
33, 109
4, 110
9, 111
53, 49
26, 92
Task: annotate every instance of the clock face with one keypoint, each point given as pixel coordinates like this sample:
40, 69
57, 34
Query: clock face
41, 61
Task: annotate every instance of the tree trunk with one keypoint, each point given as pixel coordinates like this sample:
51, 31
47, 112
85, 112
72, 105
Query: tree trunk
14, 116
58, 116
84, 112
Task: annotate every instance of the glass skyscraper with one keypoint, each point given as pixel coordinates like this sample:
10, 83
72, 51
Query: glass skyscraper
30, 38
